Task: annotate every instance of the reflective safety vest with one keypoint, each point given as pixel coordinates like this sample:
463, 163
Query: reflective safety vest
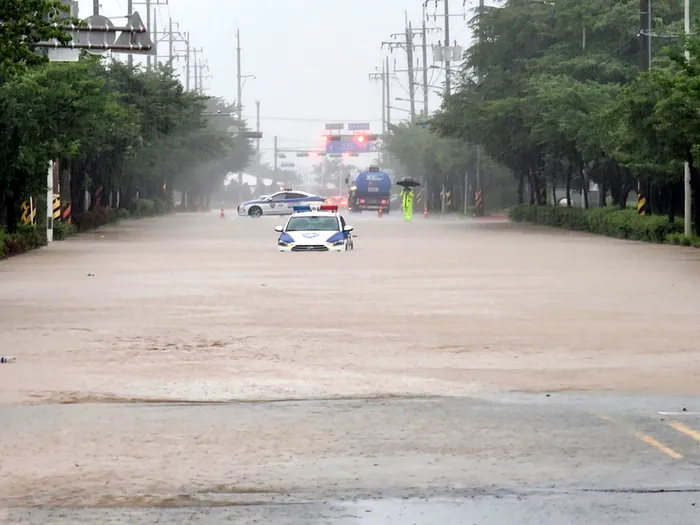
406, 199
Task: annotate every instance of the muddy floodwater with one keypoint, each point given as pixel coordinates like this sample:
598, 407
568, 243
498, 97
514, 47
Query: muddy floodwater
178, 364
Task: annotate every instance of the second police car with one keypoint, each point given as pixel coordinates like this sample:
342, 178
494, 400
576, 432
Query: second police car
315, 231
280, 203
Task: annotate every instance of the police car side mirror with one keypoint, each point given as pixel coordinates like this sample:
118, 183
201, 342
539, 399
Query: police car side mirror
279, 229
348, 228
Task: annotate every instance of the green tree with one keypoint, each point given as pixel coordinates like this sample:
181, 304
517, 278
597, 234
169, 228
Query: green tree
25, 23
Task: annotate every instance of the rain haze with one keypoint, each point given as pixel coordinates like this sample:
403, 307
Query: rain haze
488, 318
311, 59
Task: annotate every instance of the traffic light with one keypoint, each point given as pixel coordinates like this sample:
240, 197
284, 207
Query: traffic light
362, 138
252, 135
302, 154
331, 138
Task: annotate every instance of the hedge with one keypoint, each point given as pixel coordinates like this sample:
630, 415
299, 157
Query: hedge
609, 221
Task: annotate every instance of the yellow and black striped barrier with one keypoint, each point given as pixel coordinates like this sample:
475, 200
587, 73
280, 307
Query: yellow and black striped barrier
641, 204
448, 199
543, 194
28, 212
56, 206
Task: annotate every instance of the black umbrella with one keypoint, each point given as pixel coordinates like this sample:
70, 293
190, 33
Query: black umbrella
408, 182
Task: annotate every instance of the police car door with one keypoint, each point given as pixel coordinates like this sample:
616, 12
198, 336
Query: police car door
292, 199
277, 204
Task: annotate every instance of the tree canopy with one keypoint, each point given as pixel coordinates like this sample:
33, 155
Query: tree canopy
553, 93
106, 124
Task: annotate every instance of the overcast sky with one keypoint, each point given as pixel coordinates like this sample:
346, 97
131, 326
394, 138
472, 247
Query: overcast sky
311, 58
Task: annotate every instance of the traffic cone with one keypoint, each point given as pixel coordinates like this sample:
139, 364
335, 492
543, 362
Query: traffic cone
380, 212
425, 213
222, 215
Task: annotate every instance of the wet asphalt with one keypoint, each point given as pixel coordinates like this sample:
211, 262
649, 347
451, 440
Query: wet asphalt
476, 456
494, 460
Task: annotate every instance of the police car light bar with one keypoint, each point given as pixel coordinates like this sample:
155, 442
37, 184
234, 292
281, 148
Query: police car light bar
302, 208
329, 207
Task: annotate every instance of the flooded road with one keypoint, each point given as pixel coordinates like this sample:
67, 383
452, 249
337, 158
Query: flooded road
426, 377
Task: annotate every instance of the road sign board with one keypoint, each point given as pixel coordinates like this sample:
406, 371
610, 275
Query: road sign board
287, 165
362, 126
140, 43
348, 146
107, 38
335, 127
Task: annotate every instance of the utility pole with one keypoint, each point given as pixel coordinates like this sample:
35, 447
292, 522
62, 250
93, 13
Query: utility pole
155, 39
385, 79
448, 72
386, 100
276, 149
411, 77
239, 76
425, 70
409, 47
130, 9
388, 96
95, 7
196, 66
187, 61
149, 23
257, 128
171, 43
644, 65
644, 35
687, 188
148, 26
479, 197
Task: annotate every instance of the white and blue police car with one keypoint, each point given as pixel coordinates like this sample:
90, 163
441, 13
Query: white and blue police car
322, 230
280, 203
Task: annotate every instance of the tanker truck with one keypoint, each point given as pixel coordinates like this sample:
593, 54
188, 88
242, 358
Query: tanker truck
369, 191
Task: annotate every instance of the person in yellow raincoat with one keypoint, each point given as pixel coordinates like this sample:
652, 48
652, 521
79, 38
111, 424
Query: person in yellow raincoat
407, 203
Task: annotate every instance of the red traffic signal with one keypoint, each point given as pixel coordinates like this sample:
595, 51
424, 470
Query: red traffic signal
362, 138
329, 138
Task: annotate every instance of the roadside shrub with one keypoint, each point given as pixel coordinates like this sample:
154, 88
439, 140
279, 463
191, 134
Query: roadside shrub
680, 239
27, 238
158, 206
62, 230
123, 214
143, 208
3, 236
14, 244
31, 237
609, 221
101, 216
84, 221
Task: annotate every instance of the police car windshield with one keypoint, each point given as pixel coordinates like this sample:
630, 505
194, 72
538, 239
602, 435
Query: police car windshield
322, 224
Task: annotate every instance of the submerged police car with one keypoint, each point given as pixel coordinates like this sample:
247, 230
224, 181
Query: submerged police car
280, 203
315, 231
